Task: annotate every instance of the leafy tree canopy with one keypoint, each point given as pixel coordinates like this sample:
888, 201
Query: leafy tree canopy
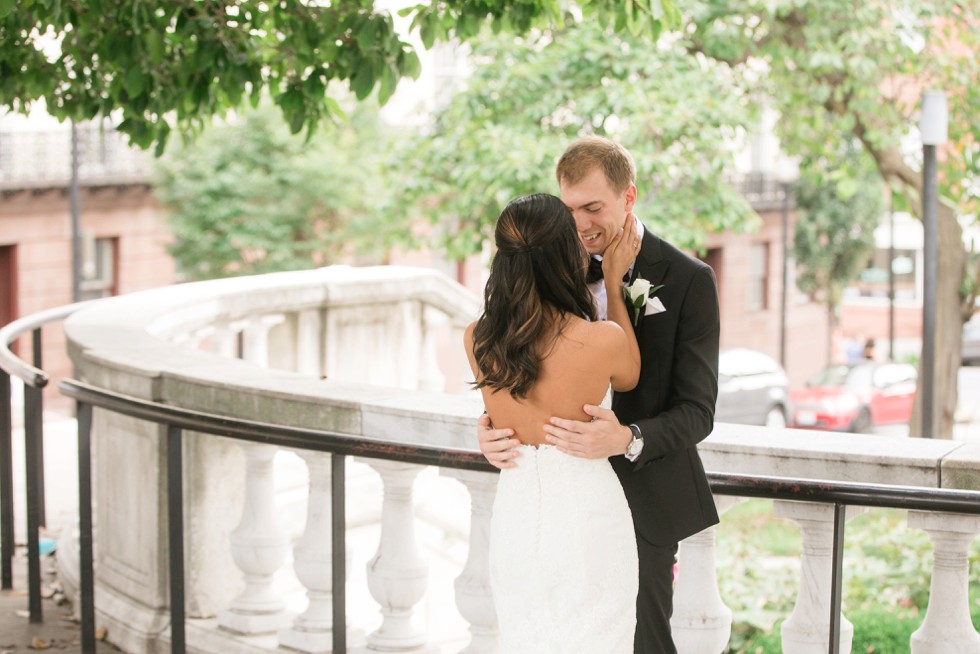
528, 97
838, 210
248, 197
177, 62
837, 69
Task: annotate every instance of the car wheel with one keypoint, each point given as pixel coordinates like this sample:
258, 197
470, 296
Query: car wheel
776, 418
862, 422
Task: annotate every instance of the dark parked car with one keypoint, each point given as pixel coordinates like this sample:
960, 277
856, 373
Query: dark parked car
752, 389
971, 342
855, 397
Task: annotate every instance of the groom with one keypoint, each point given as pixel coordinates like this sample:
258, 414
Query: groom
651, 434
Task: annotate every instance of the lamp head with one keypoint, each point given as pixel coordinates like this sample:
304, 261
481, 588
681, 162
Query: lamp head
934, 122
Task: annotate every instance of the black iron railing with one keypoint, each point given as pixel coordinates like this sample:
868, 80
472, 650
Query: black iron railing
177, 420
35, 379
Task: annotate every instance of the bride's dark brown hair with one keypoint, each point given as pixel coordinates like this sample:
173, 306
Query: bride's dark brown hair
537, 278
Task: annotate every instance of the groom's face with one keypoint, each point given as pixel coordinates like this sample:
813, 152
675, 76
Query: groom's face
599, 211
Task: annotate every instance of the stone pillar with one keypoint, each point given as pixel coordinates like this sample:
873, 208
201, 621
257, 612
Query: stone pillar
701, 623
224, 340
430, 376
474, 598
807, 629
397, 576
256, 338
259, 547
308, 356
312, 631
947, 626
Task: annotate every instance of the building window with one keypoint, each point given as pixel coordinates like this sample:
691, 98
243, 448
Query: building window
98, 274
873, 280
758, 278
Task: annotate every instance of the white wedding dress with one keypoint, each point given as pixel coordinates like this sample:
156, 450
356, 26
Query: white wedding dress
563, 565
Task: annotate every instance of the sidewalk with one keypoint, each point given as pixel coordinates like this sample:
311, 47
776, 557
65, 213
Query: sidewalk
58, 632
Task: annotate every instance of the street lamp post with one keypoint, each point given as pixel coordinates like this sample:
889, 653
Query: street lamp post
787, 176
787, 188
74, 210
933, 126
891, 278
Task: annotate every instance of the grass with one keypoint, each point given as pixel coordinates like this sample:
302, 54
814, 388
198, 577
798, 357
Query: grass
887, 571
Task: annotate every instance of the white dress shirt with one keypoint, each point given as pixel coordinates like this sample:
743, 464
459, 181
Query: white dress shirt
599, 288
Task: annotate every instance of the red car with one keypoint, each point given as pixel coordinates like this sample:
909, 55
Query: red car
855, 397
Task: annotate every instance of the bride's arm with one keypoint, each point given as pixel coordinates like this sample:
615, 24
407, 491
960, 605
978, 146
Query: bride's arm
616, 260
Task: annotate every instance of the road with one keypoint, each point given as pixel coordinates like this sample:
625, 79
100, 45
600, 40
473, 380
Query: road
967, 427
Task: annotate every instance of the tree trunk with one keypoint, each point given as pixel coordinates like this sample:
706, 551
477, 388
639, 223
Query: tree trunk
949, 326
949, 302
832, 320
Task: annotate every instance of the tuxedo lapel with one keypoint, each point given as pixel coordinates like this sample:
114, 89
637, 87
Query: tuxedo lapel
650, 263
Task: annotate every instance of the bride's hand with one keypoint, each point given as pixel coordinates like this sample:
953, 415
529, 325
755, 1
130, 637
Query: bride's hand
621, 252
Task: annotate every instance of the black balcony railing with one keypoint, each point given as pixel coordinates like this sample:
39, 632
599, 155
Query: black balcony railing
35, 379
37, 159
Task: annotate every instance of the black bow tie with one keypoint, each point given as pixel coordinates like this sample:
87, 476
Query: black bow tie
594, 273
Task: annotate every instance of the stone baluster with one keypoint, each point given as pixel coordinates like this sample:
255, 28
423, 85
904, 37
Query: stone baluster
701, 623
397, 576
224, 340
255, 344
474, 598
195, 339
947, 626
807, 629
312, 631
430, 376
259, 547
308, 355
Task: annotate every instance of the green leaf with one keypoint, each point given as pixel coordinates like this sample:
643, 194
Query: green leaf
367, 35
6, 6
134, 82
153, 42
410, 64
163, 134
362, 81
427, 33
389, 81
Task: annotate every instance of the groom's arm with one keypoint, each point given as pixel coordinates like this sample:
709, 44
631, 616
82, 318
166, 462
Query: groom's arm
688, 416
601, 438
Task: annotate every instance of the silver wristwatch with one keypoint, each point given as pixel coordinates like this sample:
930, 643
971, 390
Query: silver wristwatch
636, 445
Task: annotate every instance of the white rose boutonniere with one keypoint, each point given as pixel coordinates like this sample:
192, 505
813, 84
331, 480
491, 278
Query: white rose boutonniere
637, 294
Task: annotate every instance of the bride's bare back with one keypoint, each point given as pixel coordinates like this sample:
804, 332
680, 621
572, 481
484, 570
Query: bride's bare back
586, 358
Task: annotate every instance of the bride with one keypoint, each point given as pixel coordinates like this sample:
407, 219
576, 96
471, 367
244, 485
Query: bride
563, 564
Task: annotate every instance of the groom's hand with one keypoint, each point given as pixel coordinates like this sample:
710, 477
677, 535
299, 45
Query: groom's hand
498, 445
600, 439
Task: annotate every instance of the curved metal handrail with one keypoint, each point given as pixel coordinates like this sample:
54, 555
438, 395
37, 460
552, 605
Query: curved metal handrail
35, 380
272, 434
10, 362
760, 486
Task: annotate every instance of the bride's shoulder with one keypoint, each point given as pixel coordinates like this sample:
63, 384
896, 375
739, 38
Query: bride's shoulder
599, 331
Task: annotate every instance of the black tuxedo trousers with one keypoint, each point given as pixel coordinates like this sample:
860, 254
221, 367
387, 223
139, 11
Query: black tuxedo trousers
673, 405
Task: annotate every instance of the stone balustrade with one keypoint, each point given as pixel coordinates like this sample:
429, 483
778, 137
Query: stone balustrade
357, 351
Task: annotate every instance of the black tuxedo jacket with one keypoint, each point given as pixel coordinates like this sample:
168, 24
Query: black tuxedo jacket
673, 403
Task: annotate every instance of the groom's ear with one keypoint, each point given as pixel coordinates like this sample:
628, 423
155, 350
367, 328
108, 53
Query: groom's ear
630, 197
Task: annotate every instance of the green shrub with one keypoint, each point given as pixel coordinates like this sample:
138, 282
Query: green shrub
887, 572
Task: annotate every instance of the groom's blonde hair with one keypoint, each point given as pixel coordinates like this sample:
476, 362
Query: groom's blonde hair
590, 152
